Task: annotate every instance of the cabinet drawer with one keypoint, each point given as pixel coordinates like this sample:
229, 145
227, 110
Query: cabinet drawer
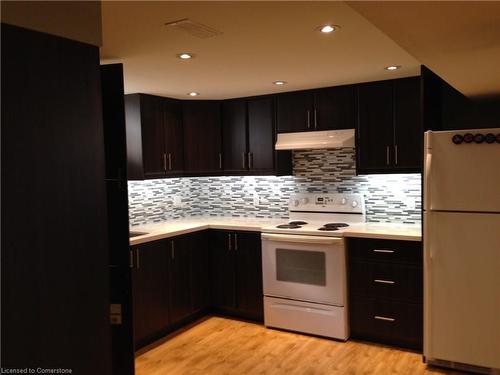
386, 280
385, 250
389, 322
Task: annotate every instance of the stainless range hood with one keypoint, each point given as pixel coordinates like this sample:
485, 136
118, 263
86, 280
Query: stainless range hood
315, 140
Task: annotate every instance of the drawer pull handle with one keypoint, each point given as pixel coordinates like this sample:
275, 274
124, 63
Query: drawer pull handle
384, 318
380, 281
383, 251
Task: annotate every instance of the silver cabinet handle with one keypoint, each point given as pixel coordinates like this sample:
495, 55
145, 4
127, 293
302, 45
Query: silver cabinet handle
250, 160
229, 241
243, 160
137, 259
164, 162
169, 161
385, 318
220, 160
396, 154
315, 119
383, 251
235, 242
387, 155
380, 281
308, 119
131, 258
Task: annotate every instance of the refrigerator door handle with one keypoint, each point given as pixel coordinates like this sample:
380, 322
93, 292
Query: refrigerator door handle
427, 175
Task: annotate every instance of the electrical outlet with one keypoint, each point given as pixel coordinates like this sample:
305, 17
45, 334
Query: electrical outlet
256, 199
177, 201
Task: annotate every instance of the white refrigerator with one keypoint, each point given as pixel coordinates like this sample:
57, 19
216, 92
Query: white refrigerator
462, 249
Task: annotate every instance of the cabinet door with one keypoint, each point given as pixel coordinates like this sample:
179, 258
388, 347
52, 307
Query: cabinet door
199, 271
180, 283
202, 137
173, 137
222, 270
408, 131
234, 136
334, 108
261, 134
150, 292
152, 136
247, 247
295, 112
375, 127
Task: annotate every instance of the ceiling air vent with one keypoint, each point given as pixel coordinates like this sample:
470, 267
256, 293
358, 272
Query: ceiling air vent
194, 28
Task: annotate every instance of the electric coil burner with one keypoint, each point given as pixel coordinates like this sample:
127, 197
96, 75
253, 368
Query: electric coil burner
333, 226
288, 226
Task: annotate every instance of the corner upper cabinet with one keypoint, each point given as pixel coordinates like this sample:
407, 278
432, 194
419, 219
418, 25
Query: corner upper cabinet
202, 137
154, 137
389, 132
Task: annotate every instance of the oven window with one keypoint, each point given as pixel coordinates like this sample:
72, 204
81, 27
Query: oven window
299, 266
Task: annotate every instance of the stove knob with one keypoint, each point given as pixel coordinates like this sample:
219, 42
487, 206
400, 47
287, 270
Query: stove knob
295, 202
468, 138
490, 138
305, 200
457, 139
354, 204
343, 201
479, 138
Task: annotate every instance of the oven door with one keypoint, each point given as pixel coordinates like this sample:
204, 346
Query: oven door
305, 268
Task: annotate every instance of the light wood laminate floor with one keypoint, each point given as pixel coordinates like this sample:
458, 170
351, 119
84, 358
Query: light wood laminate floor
219, 346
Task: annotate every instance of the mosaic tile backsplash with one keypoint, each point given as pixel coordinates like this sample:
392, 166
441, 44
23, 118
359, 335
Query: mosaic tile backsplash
388, 198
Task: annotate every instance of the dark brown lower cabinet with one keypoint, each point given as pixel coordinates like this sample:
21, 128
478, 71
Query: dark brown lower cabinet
150, 292
249, 275
236, 274
170, 285
385, 291
179, 279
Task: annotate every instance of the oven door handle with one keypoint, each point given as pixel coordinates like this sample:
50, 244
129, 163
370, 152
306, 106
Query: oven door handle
293, 238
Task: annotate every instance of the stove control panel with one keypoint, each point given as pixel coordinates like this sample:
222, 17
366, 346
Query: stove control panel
328, 203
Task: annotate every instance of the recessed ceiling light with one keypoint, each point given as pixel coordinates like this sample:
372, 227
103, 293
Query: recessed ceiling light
327, 29
279, 83
193, 93
392, 67
185, 56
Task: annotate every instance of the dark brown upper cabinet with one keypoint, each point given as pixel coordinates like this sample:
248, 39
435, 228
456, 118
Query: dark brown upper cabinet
295, 111
263, 159
335, 108
389, 132
173, 137
202, 137
322, 109
408, 128
248, 138
154, 136
234, 136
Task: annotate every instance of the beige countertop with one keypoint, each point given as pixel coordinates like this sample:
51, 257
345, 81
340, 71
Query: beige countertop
177, 227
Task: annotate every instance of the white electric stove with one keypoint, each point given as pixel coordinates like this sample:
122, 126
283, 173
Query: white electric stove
304, 265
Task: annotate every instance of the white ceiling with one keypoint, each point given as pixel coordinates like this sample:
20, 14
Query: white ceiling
458, 40
261, 42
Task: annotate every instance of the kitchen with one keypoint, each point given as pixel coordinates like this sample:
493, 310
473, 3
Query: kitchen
274, 202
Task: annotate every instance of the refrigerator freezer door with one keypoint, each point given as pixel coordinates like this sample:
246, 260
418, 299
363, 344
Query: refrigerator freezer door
463, 177
462, 288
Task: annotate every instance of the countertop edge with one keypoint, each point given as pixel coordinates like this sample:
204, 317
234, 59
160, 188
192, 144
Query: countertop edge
191, 227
